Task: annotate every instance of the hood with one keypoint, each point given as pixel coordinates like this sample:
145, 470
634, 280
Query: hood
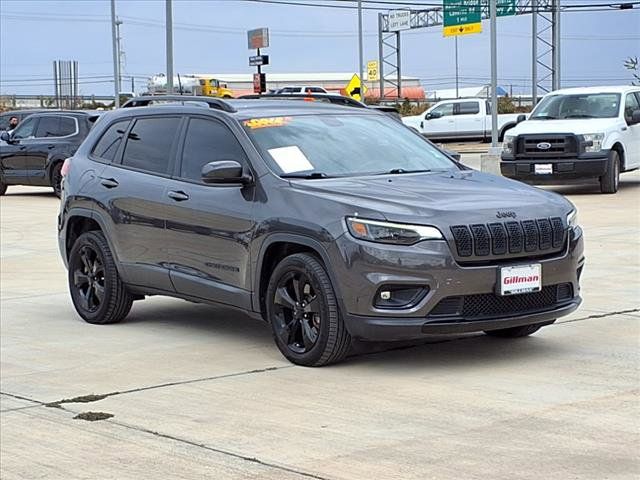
440, 199
577, 126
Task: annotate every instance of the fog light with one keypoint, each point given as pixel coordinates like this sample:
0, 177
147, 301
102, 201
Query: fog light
399, 296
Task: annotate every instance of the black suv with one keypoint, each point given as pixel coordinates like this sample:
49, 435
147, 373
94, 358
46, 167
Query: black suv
328, 222
33, 153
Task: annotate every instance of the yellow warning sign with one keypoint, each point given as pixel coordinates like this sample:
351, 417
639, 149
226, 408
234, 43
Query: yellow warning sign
465, 29
373, 74
355, 89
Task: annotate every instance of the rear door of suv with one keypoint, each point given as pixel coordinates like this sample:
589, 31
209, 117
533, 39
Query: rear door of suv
131, 194
52, 137
209, 226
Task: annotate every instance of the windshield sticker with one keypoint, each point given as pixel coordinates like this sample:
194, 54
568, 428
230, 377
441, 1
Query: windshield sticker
291, 159
267, 122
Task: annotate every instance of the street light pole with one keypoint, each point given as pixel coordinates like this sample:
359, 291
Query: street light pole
494, 76
116, 62
457, 83
169, 46
360, 50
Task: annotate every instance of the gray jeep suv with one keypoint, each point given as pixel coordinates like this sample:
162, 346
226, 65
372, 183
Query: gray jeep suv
330, 223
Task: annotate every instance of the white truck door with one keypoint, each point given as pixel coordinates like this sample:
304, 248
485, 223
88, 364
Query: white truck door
631, 136
439, 122
469, 119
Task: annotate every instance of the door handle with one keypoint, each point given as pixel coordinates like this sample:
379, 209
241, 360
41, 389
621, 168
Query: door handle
109, 182
178, 196
51, 147
23, 147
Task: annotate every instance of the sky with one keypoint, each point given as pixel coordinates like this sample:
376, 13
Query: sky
210, 37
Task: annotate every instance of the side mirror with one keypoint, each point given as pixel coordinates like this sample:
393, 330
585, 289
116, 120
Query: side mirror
224, 172
432, 115
635, 117
521, 118
5, 137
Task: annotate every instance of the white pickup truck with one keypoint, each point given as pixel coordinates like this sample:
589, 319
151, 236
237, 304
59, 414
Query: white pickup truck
467, 118
575, 135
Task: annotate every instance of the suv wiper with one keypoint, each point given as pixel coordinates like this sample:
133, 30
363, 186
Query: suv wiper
543, 117
312, 175
580, 115
399, 171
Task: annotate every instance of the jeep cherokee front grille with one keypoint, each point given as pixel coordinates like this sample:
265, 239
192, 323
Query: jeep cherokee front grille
537, 236
490, 305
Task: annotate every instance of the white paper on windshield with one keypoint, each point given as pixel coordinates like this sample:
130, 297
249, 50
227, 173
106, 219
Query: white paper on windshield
291, 159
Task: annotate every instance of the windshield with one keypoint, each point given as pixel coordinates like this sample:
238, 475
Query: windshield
342, 145
592, 105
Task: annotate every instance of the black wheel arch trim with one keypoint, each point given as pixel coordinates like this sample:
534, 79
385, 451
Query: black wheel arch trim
303, 240
92, 215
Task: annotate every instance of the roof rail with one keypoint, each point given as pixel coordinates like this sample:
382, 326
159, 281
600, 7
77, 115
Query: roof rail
309, 97
211, 102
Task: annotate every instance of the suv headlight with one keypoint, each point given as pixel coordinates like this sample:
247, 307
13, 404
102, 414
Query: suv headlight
596, 142
388, 232
572, 218
507, 143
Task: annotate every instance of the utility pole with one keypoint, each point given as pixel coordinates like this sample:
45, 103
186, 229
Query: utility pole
360, 50
120, 52
555, 35
494, 78
169, 46
534, 52
116, 63
457, 94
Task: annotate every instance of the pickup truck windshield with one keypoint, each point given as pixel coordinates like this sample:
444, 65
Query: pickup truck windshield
591, 105
321, 146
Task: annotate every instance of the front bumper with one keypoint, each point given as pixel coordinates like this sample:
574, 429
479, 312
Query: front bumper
368, 267
564, 169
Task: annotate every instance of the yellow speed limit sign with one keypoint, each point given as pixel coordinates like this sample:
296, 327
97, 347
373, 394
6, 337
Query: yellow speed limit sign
373, 74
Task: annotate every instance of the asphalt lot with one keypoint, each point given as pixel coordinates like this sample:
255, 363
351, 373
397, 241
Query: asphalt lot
199, 392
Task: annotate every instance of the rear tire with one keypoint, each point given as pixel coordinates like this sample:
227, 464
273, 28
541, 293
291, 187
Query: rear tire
516, 332
97, 291
610, 181
304, 315
56, 179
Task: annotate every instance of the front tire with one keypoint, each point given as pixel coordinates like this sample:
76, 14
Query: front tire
3, 188
304, 315
610, 181
97, 291
516, 332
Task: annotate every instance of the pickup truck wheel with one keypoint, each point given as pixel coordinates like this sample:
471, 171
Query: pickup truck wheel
303, 312
56, 179
609, 181
516, 332
3, 188
97, 292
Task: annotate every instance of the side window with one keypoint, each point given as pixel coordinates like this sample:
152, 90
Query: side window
149, 144
316, 90
110, 141
630, 104
25, 129
468, 108
4, 121
208, 141
445, 109
52, 126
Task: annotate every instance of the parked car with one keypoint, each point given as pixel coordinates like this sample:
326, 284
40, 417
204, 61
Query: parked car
33, 153
467, 118
300, 90
577, 135
328, 222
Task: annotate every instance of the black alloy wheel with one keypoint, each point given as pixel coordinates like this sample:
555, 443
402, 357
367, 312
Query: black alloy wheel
297, 312
88, 279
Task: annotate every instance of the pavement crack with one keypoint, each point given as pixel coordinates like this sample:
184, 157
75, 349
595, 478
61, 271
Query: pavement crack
601, 315
220, 451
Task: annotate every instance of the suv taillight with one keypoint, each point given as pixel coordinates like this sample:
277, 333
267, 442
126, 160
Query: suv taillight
65, 167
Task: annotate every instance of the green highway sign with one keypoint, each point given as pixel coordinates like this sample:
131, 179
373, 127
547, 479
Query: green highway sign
506, 8
461, 17
461, 12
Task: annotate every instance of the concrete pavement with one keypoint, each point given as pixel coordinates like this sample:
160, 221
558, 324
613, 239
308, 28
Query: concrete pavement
200, 392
